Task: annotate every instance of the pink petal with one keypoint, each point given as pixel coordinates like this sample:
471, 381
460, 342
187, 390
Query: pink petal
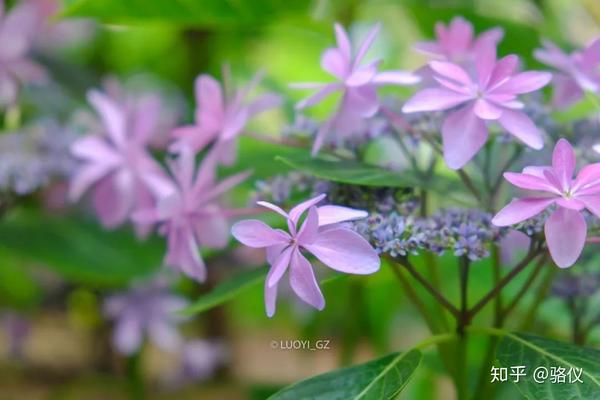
361, 100
451, 71
552, 55
396, 78
255, 233
114, 198
303, 281
280, 265
333, 214
562, 224
525, 82
366, 44
485, 62
361, 76
345, 251
343, 42
310, 227
127, 335
518, 124
592, 203
566, 91
205, 195
297, 211
234, 123
192, 136
434, 99
590, 57
183, 253
325, 91
274, 251
503, 69
164, 335
270, 299
212, 231
571, 204
334, 62
113, 118
273, 207
428, 48
460, 34
85, 177
210, 103
563, 162
588, 180
96, 149
486, 110
530, 182
264, 103
463, 135
521, 209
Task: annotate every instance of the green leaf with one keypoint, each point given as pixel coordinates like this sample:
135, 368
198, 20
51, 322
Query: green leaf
379, 379
18, 288
206, 13
356, 173
80, 250
532, 351
226, 291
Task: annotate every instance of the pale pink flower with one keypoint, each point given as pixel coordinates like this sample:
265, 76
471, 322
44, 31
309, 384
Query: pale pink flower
565, 229
457, 43
335, 245
221, 115
17, 33
579, 71
357, 82
189, 214
117, 164
488, 95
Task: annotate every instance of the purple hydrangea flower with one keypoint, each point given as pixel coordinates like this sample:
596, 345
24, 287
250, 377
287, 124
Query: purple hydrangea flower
189, 214
357, 81
336, 246
117, 164
456, 41
488, 95
18, 28
147, 309
579, 71
221, 116
554, 185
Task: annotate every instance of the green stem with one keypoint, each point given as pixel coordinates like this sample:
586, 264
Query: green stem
533, 252
525, 288
540, 295
498, 318
435, 340
463, 320
425, 283
135, 377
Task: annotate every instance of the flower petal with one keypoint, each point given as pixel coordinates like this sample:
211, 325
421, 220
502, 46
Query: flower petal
451, 71
463, 135
521, 209
343, 42
280, 265
113, 118
396, 78
524, 82
345, 250
270, 299
588, 180
562, 224
486, 110
521, 126
434, 99
334, 62
331, 214
310, 227
530, 182
297, 211
563, 162
366, 44
255, 233
315, 98
304, 283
